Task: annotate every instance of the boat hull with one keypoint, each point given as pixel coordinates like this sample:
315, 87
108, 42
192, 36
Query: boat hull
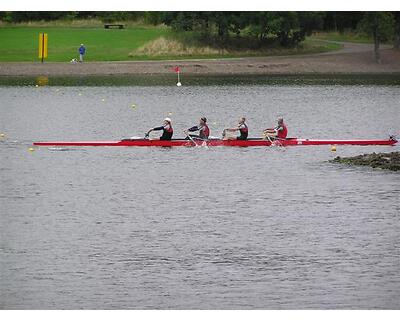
255, 142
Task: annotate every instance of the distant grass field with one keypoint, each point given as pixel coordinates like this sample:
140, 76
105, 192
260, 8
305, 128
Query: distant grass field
20, 43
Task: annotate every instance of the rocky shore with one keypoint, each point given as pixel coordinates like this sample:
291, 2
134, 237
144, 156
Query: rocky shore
387, 161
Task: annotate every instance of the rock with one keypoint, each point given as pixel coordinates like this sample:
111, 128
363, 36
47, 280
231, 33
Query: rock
387, 161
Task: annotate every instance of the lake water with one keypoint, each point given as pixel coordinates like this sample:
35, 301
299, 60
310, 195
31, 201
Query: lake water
197, 228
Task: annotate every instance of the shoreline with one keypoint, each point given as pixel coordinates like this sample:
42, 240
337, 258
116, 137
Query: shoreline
343, 62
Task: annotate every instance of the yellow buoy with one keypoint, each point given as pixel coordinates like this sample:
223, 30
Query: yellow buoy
2, 135
31, 149
170, 113
333, 148
103, 99
133, 106
79, 94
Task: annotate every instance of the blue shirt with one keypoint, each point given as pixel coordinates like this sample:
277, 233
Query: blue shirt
82, 50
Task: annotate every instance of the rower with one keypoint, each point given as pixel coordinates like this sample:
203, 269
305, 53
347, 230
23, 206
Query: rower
279, 132
202, 128
241, 127
166, 128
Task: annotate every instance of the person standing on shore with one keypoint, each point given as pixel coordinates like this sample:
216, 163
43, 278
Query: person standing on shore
82, 51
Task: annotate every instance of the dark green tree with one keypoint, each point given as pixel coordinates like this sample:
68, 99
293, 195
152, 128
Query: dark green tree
341, 21
397, 30
381, 26
310, 21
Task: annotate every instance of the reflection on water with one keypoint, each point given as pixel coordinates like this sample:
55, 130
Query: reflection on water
202, 80
177, 228
42, 81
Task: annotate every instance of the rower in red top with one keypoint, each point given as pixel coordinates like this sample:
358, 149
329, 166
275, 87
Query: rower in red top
167, 129
241, 127
202, 128
279, 132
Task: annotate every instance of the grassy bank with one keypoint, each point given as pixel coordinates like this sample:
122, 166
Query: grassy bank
170, 49
20, 43
168, 79
344, 37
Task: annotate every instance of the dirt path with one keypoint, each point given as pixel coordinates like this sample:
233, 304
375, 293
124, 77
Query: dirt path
352, 58
351, 47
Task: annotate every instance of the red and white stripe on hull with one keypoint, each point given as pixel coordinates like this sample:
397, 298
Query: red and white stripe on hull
253, 142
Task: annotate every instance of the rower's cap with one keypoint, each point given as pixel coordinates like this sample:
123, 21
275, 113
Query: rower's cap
204, 119
168, 119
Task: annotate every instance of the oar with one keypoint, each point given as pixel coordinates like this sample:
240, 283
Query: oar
276, 139
190, 138
268, 137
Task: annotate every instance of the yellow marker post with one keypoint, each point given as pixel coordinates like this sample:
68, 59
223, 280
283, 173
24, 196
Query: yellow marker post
42, 46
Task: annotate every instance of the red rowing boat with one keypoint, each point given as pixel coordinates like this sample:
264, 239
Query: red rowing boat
253, 142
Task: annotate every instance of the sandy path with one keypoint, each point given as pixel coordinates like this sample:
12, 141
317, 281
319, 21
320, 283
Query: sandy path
352, 47
352, 58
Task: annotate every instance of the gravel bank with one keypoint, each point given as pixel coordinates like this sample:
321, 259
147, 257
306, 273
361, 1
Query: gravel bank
352, 59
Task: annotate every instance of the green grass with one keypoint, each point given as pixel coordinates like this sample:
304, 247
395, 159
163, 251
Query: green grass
308, 46
20, 43
345, 37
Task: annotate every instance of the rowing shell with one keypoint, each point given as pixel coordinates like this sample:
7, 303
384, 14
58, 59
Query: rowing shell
253, 142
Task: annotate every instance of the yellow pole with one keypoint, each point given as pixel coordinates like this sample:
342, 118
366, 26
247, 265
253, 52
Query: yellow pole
42, 46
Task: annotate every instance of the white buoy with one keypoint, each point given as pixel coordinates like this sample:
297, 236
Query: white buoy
178, 71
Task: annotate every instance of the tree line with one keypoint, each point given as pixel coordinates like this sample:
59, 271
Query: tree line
286, 28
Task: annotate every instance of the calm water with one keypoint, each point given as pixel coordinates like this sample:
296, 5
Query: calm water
189, 228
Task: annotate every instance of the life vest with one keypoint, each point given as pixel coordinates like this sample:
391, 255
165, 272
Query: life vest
244, 131
204, 132
282, 134
168, 131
